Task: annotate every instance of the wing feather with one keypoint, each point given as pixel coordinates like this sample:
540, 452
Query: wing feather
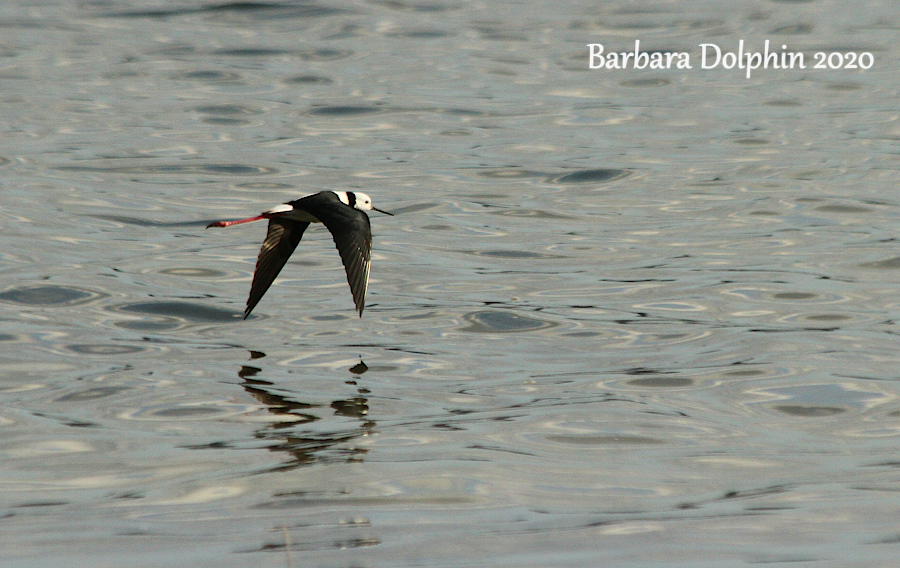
352, 235
282, 238
355, 248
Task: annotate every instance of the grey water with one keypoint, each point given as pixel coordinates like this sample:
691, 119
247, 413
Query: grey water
621, 317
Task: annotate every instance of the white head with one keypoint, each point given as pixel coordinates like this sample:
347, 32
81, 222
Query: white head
358, 200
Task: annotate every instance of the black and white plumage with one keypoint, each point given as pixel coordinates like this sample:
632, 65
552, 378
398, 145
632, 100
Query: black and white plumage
342, 213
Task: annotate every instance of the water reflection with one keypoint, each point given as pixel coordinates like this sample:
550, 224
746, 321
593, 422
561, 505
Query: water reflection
285, 433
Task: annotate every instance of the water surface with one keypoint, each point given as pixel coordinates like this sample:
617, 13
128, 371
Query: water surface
635, 318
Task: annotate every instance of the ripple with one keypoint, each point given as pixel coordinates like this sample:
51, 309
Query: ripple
48, 448
591, 176
191, 272
207, 76
818, 400
92, 394
228, 169
886, 264
502, 322
414, 208
224, 121
254, 185
843, 209
105, 349
344, 110
785, 103
661, 382
458, 287
605, 440
672, 307
250, 52
324, 54
413, 6
512, 174
188, 411
125, 220
646, 83
260, 10
174, 312
228, 110
792, 296
514, 254
642, 340
531, 213
309, 80
826, 320
420, 34
792, 29
187, 310
49, 295
805, 411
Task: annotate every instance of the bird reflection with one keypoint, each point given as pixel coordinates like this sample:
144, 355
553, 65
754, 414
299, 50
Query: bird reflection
285, 432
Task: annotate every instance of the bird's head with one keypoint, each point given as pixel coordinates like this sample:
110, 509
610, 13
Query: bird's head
361, 201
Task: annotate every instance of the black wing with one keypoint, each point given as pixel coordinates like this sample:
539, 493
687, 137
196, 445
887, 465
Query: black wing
283, 237
352, 234
356, 252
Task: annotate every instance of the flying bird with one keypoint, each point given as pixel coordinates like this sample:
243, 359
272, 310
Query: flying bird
342, 213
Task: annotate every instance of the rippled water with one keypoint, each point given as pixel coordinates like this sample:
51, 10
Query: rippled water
626, 317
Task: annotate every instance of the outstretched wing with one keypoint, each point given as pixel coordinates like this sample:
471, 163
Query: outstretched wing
355, 247
283, 237
352, 234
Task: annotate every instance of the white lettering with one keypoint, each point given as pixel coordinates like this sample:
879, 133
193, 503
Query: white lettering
596, 53
640, 59
635, 59
703, 64
714, 57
